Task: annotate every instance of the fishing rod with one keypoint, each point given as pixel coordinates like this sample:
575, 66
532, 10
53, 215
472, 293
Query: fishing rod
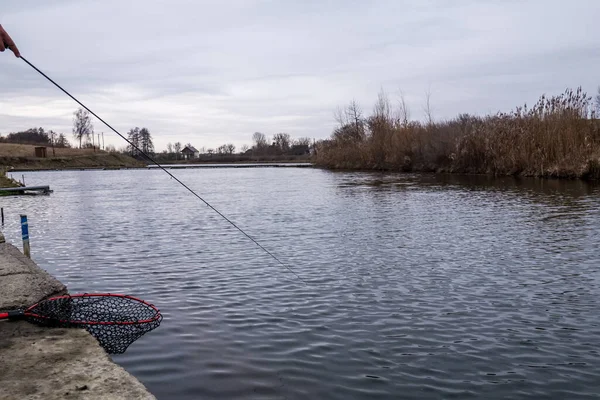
161, 167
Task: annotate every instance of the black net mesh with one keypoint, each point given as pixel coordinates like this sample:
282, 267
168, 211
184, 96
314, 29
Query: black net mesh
114, 321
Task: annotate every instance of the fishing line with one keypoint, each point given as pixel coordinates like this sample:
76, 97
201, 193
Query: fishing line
170, 174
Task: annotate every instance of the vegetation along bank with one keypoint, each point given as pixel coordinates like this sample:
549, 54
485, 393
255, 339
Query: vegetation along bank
558, 137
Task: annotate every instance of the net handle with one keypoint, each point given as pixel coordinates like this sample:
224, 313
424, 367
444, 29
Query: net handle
19, 314
68, 296
12, 315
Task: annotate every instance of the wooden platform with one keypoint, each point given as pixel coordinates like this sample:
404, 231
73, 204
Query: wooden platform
25, 190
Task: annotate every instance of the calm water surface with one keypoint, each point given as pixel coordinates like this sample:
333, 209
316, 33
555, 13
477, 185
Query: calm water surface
418, 286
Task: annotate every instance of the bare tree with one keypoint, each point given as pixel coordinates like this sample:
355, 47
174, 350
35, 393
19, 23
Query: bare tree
260, 143
177, 148
598, 102
427, 108
403, 111
352, 124
282, 142
340, 117
382, 107
82, 125
230, 148
354, 115
169, 148
52, 136
244, 148
303, 141
260, 140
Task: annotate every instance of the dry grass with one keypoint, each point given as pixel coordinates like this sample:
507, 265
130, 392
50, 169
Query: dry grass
22, 157
6, 182
27, 150
557, 137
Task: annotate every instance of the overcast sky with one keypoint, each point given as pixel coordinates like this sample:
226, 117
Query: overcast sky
213, 72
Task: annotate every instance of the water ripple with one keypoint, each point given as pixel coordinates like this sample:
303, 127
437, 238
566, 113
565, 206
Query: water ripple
419, 286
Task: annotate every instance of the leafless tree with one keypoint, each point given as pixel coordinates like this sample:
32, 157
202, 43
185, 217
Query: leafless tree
282, 142
427, 108
177, 148
260, 140
82, 125
382, 107
52, 136
403, 110
303, 141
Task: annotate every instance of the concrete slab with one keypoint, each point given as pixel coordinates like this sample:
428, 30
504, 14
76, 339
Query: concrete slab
51, 363
23, 283
41, 363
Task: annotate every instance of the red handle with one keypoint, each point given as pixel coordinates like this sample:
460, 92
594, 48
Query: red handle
12, 315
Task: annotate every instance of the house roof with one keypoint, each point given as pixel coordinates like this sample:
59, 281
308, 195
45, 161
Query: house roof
190, 149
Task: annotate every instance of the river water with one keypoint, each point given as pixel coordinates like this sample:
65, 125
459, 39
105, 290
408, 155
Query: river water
417, 286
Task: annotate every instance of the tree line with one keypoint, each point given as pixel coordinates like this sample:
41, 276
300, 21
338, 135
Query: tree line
83, 132
37, 136
280, 144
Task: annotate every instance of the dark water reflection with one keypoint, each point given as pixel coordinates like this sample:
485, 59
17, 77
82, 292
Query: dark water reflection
420, 286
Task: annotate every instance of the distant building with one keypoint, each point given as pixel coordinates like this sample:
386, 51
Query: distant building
190, 152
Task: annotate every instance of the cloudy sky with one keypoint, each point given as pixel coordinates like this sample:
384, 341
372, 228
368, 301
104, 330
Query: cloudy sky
213, 72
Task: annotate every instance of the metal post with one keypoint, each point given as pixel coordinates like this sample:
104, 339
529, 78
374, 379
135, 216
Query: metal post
25, 235
23, 176
2, 214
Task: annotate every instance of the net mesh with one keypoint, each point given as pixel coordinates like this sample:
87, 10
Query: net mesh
115, 321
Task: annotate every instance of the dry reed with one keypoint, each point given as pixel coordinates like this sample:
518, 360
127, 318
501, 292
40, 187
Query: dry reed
558, 137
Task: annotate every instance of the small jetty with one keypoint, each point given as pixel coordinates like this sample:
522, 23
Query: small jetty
25, 190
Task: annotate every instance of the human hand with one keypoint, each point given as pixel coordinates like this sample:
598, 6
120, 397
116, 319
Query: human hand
7, 43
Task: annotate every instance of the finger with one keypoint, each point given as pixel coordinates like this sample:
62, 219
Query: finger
2, 47
11, 45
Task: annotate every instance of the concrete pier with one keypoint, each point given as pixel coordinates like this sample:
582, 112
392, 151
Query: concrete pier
51, 363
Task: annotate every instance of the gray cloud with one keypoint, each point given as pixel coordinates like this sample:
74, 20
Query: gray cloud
212, 72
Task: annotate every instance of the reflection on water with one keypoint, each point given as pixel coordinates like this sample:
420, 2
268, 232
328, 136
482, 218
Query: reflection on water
419, 286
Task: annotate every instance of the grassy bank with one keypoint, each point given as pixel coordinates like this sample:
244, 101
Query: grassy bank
558, 137
6, 182
21, 157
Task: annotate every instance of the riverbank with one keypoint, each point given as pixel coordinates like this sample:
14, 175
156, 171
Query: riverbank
21, 157
92, 161
559, 137
51, 363
6, 182
236, 159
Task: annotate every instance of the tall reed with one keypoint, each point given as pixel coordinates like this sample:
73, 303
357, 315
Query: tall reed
558, 137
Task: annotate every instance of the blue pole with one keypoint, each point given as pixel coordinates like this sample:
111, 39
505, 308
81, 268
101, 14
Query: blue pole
25, 235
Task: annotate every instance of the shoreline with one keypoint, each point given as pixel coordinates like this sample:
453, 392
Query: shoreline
51, 363
591, 177
427, 171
